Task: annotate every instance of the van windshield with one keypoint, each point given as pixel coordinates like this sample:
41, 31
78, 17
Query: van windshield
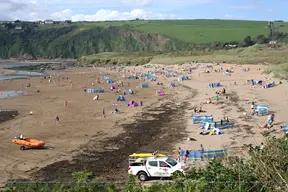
171, 162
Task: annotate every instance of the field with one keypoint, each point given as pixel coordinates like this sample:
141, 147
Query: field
196, 31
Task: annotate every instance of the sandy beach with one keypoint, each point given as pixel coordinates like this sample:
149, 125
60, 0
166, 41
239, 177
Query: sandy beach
84, 139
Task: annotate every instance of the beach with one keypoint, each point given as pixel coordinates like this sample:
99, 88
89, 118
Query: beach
84, 139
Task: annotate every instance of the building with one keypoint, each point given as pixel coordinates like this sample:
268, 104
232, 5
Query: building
18, 27
48, 22
68, 21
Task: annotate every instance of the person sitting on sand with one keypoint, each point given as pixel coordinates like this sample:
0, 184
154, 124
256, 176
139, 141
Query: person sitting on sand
209, 101
204, 132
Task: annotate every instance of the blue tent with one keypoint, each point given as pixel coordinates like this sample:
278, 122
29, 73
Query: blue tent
95, 90
285, 129
261, 109
172, 84
110, 81
185, 78
169, 70
213, 85
202, 155
217, 124
143, 85
121, 98
153, 79
106, 78
148, 76
202, 119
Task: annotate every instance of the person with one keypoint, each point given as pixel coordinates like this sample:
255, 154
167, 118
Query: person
217, 99
224, 91
186, 156
103, 112
97, 97
141, 103
262, 146
57, 118
65, 103
201, 148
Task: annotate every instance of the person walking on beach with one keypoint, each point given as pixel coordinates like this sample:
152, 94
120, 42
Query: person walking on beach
65, 103
103, 112
57, 118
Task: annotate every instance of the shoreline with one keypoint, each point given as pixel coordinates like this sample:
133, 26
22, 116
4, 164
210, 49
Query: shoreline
39, 61
6, 72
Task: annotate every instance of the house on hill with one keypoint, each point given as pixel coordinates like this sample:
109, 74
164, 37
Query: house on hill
49, 21
18, 27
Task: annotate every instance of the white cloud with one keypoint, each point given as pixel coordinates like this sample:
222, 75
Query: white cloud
242, 7
93, 10
105, 14
233, 17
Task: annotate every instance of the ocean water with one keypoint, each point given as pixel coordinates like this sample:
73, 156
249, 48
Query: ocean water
8, 94
16, 75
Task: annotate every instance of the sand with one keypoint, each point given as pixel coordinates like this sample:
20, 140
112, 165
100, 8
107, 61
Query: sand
166, 121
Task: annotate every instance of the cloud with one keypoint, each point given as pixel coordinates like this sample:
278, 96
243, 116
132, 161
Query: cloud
233, 17
242, 7
93, 10
108, 15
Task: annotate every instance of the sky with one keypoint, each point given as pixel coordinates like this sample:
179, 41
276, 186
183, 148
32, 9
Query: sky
102, 10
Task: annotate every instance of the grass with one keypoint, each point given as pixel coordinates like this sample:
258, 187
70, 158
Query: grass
259, 54
135, 58
196, 31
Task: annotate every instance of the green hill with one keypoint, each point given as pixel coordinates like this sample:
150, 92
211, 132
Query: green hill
195, 31
87, 38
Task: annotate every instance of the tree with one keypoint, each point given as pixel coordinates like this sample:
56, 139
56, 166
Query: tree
248, 41
261, 39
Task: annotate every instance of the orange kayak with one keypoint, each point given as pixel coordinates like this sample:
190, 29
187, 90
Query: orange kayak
28, 142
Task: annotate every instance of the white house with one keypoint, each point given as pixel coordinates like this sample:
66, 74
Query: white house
49, 22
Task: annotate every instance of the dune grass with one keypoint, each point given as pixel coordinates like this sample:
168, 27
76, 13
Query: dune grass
276, 57
257, 54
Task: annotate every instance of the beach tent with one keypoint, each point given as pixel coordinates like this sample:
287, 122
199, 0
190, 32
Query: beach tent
262, 110
214, 85
285, 128
169, 70
194, 155
112, 87
110, 81
217, 124
161, 93
132, 104
121, 98
148, 76
129, 91
95, 90
153, 79
143, 85
172, 84
132, 77
184, 77
202, 119
106, 78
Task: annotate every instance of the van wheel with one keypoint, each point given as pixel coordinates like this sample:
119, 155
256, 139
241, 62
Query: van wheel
142, 176
22, 148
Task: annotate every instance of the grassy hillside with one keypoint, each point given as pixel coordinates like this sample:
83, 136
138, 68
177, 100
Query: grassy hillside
195, 31
73, 41
85, 38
